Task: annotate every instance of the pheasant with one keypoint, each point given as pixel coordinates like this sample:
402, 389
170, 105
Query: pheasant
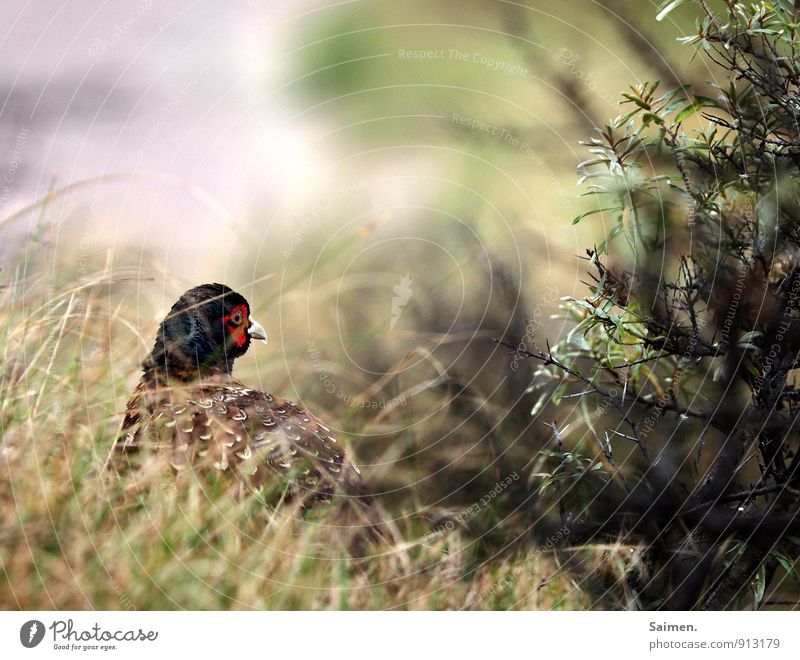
189, 411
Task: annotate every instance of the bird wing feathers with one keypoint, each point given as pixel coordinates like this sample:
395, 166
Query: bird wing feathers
263, 441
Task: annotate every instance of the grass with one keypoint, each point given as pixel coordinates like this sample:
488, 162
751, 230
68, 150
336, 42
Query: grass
71, 538
70, 542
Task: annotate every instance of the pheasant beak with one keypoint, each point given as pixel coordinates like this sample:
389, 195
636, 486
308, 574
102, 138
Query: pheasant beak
256, 331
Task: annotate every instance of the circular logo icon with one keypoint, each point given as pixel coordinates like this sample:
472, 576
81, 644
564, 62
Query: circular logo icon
31, 633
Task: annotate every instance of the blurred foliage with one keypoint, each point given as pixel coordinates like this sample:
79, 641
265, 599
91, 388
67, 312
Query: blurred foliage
482, 108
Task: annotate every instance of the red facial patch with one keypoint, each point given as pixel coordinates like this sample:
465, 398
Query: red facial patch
238, 331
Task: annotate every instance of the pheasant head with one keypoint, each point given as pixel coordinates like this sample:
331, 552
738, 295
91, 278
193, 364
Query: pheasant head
204, 332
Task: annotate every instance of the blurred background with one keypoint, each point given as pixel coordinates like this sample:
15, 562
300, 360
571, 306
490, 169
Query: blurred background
391, 185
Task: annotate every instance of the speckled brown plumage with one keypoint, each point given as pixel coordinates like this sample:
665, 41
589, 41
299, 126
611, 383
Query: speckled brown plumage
256, 439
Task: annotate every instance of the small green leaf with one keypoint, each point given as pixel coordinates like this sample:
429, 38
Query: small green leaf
759, 587
788, 565
648, 117
580, 217
635, 99
688, 111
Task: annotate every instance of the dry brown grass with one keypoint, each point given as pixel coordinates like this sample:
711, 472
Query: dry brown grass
70, 539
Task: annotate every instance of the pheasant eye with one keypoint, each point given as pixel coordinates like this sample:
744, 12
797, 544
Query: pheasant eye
236, 317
